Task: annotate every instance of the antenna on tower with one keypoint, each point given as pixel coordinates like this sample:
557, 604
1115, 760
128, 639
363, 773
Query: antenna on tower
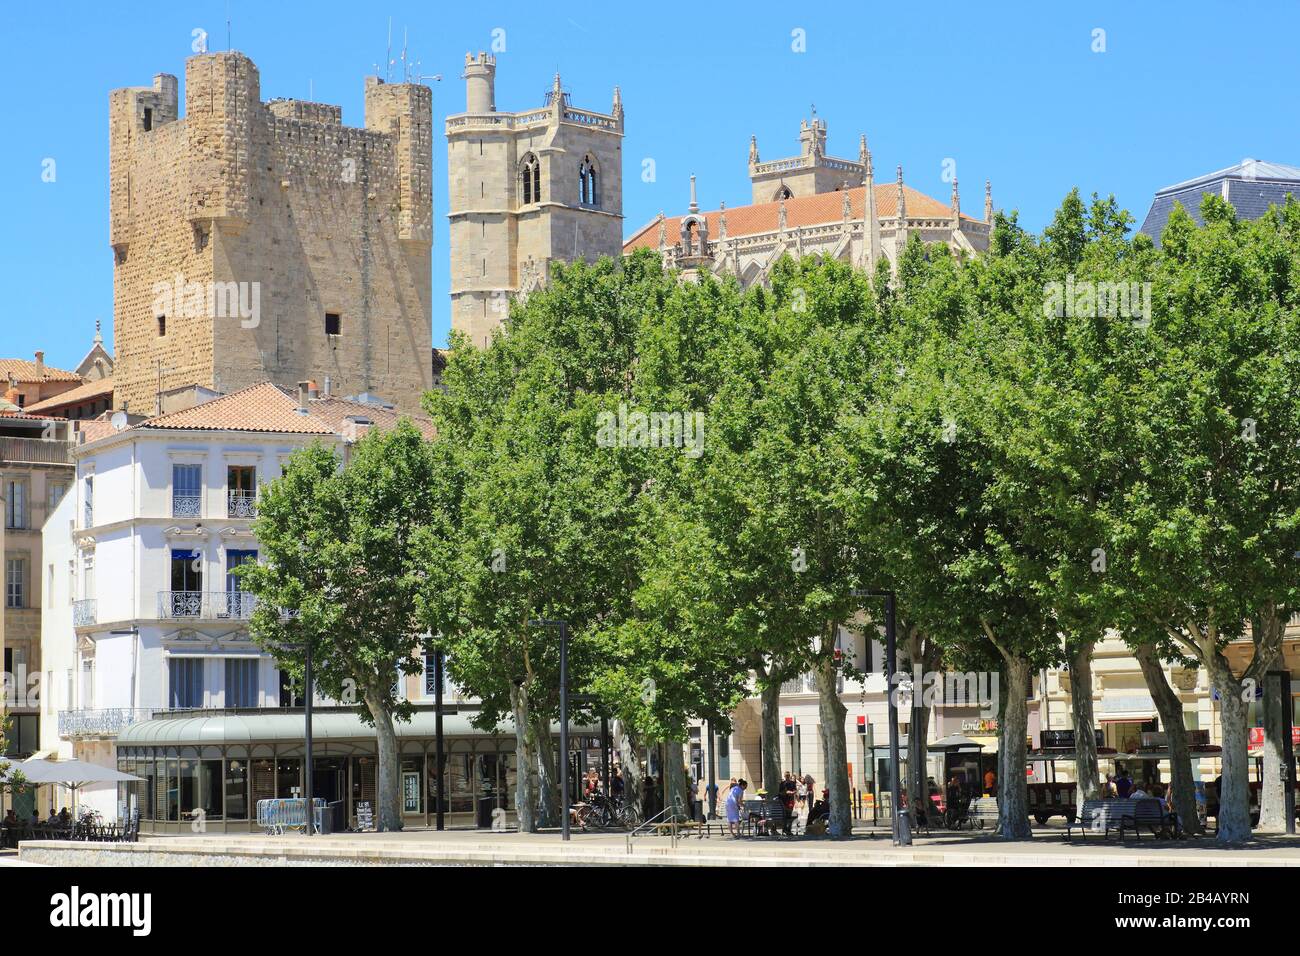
388, 57
228, 47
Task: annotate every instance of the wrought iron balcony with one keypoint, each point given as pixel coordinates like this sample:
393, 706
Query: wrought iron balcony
187, 506
100, 723
241, 504
84, 612
206, 605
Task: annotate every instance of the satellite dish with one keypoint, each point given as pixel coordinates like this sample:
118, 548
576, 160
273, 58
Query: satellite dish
118, 420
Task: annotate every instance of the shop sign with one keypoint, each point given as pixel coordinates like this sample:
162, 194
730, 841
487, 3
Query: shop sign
1256, 737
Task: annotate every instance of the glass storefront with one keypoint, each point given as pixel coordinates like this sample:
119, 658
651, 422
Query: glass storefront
224, 784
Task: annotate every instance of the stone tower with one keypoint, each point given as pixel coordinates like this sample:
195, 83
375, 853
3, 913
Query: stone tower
809, 173
526, 189
257, 241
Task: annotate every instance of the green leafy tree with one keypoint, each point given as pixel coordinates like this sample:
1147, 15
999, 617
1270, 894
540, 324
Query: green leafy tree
339, 574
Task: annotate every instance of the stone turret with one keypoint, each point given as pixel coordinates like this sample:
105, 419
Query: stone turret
480, 83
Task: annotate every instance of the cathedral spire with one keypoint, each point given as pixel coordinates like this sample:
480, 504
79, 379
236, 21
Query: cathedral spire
846, 206
722, 220
902, 199
694, 207
956, 200
780, 217
618, 102
99, 339
663, 231
753, 150
988, 202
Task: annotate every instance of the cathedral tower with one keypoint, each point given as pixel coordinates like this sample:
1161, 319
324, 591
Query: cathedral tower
526, 188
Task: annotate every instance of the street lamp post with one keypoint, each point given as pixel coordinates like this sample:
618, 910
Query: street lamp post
310, 827
902, 833
437, 735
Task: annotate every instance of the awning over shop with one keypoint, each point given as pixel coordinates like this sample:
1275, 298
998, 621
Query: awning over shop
216, 729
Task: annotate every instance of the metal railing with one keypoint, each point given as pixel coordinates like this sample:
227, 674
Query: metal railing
84, 612
187, 506
241, 504
667, 817
206, 605
35, 451
108, 722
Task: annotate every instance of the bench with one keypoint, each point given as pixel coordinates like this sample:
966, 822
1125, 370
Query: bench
1101, 816
764, 817
1148, 813
983, 811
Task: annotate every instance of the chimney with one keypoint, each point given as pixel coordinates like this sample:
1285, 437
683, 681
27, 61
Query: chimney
40, 366
303, 397
313, 391
327, 391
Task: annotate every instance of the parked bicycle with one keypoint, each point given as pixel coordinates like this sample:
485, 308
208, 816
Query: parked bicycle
603, 813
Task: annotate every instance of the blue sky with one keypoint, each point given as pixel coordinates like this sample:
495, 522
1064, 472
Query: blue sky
1012, 92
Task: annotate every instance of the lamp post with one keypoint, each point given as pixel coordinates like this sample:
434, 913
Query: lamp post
563, 627
437, 734
902, 833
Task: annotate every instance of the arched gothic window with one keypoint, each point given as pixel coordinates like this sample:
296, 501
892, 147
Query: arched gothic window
783, 193
588, 191
530, 180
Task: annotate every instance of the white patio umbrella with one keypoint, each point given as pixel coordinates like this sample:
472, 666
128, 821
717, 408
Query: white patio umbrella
73, 774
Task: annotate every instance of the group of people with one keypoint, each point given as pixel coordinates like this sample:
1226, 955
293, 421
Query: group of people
1123, 786
12, 826
795, 793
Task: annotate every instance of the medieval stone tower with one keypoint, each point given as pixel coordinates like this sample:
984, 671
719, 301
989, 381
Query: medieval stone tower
525, 189
257, 241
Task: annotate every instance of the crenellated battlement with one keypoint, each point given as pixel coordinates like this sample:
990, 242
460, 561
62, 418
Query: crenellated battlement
326, 218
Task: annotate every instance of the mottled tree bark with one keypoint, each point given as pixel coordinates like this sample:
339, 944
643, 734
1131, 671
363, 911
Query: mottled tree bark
1013, 791
388, 793
1272, 794
1170, 709
629, 757
769, 703
675, 778
1234, 801
1087, 785
526, 784
548, 784
834, 748
926, 653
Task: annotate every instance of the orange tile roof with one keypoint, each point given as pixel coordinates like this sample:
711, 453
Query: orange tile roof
95, 429
82, 393
269, 408
816, 210
25, 371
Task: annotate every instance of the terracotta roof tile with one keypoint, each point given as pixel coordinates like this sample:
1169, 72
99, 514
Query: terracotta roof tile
25, 371
817, 210
82, 393
269, 408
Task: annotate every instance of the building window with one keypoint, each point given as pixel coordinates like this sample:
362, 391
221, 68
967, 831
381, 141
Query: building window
90, 501
241, 682
148, 119
333, 324
784, 193
186, 595
530, 180
241, 491
162, 326
187, 491
587, 182
16, 582
54, 492
15, 504
186, 682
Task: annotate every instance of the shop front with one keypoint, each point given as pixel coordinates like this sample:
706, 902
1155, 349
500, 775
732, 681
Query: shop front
206, 771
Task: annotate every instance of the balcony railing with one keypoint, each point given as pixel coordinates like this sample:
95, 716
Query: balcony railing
206, 605
187, 506
100, 723
84, 612
241, 504
35, 451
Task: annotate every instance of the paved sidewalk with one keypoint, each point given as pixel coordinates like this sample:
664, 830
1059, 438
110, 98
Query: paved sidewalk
476, 847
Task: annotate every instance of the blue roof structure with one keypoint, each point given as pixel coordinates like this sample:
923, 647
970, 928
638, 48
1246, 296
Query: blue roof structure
1250, 188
